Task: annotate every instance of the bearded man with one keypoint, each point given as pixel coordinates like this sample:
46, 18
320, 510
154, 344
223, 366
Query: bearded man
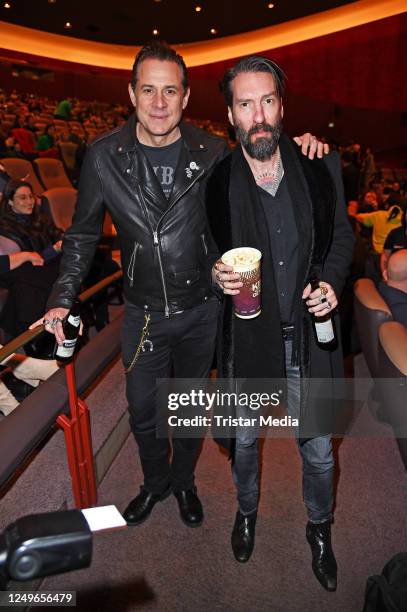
267, 196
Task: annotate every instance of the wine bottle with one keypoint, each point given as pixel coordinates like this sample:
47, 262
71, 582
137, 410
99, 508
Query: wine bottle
71, 324
324, 327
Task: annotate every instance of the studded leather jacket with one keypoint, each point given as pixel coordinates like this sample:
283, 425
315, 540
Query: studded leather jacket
166, 249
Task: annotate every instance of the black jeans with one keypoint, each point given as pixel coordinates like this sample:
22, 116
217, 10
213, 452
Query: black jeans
183, 344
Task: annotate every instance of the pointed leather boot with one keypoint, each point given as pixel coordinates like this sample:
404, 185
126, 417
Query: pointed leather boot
243, 536
323, 558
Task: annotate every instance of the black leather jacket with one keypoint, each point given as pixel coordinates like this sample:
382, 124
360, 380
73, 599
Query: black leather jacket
166, 256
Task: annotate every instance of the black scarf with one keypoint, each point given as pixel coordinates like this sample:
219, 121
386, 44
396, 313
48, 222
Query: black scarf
254, 348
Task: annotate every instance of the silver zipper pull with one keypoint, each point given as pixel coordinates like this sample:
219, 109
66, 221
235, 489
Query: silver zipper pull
155, 235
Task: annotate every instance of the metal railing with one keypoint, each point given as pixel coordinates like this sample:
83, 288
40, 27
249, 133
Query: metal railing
75, 424
30, 334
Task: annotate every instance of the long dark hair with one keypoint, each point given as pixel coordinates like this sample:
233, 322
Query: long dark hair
35, 232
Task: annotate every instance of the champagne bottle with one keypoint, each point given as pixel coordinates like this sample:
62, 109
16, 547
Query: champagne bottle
71, 325
324, 328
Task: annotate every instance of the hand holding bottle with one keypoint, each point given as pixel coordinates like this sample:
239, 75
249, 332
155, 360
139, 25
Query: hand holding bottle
316, 303
321, 301
52, 320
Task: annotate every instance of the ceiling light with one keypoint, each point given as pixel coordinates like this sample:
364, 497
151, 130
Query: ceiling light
51, 1
7, 5
155, 32
198, 8
270, 5
68, 25
214, 31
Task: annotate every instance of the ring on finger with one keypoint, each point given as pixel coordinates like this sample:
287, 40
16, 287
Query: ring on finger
322, 299
328, 305
323, 289
46, 322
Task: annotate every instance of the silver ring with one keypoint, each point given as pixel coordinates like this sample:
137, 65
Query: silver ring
45, 321
322, 299
328, 305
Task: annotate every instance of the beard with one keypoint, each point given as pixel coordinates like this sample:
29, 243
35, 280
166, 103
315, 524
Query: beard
262, 148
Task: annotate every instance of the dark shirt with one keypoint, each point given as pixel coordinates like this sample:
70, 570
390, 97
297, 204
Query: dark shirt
396, 240
164, 161
396, 301
284, 245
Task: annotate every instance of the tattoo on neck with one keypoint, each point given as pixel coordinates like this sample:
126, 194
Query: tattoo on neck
270, 181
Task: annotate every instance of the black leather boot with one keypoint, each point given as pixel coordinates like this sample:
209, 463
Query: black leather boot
323, 558
243, 536
190, 507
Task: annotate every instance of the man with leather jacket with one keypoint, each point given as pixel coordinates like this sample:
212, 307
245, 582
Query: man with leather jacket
151, 176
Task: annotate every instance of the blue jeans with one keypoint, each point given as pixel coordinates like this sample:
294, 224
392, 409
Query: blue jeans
316, 454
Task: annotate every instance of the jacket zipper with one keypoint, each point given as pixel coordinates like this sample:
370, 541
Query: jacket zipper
204, 244
160, 263
130, 269
156, 240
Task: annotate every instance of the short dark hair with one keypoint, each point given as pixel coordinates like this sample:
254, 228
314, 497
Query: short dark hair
252, 63
161, 51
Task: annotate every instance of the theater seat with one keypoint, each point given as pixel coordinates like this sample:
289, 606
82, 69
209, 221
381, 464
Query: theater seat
370, 312
61, 202
52, 173
21, 169
393, 380
68, 150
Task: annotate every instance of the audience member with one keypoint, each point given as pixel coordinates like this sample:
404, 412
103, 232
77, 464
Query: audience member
394, 287
23, 222
46, 142
26, 140
63, 110
350, 176
28, 369
367, 171
381, 222
395, 241
369, 202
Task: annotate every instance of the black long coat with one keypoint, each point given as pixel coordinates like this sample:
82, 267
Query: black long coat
328, 224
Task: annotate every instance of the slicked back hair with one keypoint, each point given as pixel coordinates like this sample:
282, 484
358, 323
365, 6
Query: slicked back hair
252, 63
160, 51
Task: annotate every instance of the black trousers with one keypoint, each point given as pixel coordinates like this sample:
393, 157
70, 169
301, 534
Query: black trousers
183, 345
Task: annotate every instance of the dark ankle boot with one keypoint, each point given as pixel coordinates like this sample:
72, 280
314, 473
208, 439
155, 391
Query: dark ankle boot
323, 558
243, 536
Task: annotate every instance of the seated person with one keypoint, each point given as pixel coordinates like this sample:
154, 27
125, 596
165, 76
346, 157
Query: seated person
46, 145
396, 240
28, 369
22, 221
4, 179
394, 289
381, 222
